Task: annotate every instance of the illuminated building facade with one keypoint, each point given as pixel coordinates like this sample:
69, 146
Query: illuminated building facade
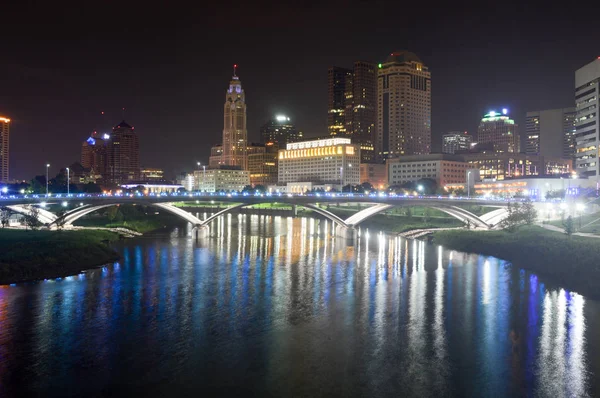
325, 161
4, 148
94, 155
262, 163
456, 141
235, 135
443, 168
123, 149
352, 105
502, 165
223, 179
403, 106
551, 133
375, 174
536, 188
216, 156
280, 131
500, 130
587, 130
149, 174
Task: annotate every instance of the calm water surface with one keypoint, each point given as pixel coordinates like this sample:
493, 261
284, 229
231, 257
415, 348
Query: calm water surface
274, 306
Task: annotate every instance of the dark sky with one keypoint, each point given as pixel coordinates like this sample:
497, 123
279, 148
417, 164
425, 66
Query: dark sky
169, 66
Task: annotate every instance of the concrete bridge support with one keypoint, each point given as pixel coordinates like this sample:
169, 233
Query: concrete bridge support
350, 234
201, 231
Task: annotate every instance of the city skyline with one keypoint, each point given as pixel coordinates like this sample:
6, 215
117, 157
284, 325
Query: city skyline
56, 100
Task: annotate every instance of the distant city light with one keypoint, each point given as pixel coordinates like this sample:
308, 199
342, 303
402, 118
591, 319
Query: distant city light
504, 111
282, 118
91, 141
380, 65
64, 204
492, 113
4, 189
105, 136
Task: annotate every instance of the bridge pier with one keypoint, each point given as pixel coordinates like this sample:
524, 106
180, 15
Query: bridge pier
201, 231
348, 233
295, 210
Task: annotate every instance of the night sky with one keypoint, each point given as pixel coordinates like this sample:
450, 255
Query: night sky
63, 64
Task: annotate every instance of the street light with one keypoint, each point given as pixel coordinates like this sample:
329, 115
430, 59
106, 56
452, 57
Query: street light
580, 207
468, 184
68, 181
47, 167
203, 177
420, 188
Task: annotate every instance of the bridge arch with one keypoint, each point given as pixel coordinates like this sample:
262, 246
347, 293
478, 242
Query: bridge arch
44, 216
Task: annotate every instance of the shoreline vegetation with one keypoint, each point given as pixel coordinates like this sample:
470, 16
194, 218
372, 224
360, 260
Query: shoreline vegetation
42, 254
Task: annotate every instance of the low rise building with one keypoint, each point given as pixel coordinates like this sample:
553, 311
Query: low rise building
534, 187
152, 174
262, 163
375, 174
222, 179
155, 188
443, 168
494, 165
322, 161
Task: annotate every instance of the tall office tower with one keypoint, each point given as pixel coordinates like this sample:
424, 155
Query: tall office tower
123, 154
456, 141
501, 131
235, 135
352, 107
587, 131
403, 106
550, 133
4, 148
94, 155
339, 93
279, 130
364, 109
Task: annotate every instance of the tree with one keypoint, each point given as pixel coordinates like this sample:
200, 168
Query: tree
4, 217
38, 184
347, 188
61, 219
426, 215
260, 188
90, 187
31, 220
408, 212
569, 226
111, 213
247, 189
366, 186
529, 213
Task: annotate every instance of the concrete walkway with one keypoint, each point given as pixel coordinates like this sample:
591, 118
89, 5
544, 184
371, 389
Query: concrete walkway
561, 230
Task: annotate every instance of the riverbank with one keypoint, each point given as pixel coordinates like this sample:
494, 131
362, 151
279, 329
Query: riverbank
35, 255
572, 262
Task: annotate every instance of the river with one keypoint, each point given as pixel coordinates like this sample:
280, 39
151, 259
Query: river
274, 306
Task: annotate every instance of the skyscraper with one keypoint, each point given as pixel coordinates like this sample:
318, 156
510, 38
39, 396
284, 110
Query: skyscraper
456, 141
339, 93
352, 107
403, 106
501, 131
123, 154
94, 154
4, 148
587, 130
279, 130
235, 135
550, 133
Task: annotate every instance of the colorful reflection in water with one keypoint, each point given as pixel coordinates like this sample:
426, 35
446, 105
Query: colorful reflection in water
276, 306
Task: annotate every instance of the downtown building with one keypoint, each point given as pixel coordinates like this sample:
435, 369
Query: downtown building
442, 168
332, 162
587, 129
403, 107
551, 133
235, 135
94, 158
352, 106
4, 149
262, 163
499, 130
279, 130
123, 155
456, 141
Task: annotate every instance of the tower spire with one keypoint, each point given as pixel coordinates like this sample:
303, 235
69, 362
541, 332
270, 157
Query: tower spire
234, 69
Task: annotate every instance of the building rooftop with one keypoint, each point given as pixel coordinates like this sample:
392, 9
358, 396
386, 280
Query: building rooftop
123, 125
402, 57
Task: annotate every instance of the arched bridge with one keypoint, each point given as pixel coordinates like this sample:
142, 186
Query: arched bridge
346, 226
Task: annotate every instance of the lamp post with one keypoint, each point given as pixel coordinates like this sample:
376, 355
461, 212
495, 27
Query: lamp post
468, 184
203, 177
198, 164
580, 207
341, 179
68, 181
47, 167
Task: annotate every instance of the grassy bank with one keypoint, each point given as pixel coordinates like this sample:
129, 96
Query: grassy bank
29, 255
136, 218
573, 262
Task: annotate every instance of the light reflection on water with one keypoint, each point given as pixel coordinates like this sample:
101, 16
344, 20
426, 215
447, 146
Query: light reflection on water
276, 306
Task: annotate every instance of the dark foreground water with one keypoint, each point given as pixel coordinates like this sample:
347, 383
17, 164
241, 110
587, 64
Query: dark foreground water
276, 307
